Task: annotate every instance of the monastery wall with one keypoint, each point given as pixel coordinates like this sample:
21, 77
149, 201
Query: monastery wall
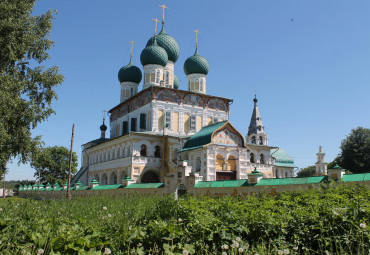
192, 191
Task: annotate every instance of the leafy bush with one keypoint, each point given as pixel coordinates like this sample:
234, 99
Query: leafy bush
333, 219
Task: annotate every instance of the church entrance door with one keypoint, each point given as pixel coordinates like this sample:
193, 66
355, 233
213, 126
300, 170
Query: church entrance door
225, 175
150, 177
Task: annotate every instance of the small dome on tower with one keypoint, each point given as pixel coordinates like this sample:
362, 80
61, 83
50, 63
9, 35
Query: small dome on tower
103, 127
196, 64
168, 43
130, 73
154, 54
176, 82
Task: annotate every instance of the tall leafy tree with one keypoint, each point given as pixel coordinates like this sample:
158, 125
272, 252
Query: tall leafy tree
53, 164
307, 171
355, 151
26, 87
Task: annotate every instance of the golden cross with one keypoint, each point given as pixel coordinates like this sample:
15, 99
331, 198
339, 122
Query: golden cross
155, 29
163, 7
132, 47
104, 111
196, 37
255, 92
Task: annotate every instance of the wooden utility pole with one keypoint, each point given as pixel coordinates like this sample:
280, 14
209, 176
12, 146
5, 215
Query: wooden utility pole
70, 164
4, 183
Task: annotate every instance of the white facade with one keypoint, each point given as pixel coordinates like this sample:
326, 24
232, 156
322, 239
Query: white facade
197, 83
128, 89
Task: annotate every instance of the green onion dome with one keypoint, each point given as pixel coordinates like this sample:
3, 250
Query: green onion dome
196, 64
130, 73
176, 82
103, 127
154, 54
169, 44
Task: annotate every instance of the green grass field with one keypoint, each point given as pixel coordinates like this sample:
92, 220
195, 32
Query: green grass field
331, 220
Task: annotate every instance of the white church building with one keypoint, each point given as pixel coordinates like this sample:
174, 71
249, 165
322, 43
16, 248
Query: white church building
155, 129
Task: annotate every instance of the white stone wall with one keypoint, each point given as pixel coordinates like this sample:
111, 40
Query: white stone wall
128, 89
184, 109
197, 83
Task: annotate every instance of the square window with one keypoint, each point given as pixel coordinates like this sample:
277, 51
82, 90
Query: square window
136, 170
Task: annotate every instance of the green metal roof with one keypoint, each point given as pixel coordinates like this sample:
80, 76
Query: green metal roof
145, 185
202, 137
316, 179
221, 184
196, 64
82, 188
130, 73
367, 177
94, 181
356, 177
255, 172
58, 188
78, 183
112, 186
168, 43
291, 181
282, 158
99, 141
176, 82
154, 54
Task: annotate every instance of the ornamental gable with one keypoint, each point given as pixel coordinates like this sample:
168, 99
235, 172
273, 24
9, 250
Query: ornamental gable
226, 136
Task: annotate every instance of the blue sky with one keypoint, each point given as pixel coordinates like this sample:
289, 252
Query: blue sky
311, 74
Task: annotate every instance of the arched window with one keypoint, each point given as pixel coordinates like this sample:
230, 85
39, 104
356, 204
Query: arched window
286, 174
219, 162
231, 163
143, 150
123, 175
118, 153
157, 152
252, 158
96, 177
254, 140
113, 179
262, 159
261, 140
131, 92
104, 179
157, 76
167, 78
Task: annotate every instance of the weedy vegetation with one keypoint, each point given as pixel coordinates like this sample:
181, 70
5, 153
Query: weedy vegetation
331, 220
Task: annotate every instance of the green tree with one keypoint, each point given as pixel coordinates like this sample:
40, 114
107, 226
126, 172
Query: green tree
355, 151
26, 87
53, 164
336, 161
307, 171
